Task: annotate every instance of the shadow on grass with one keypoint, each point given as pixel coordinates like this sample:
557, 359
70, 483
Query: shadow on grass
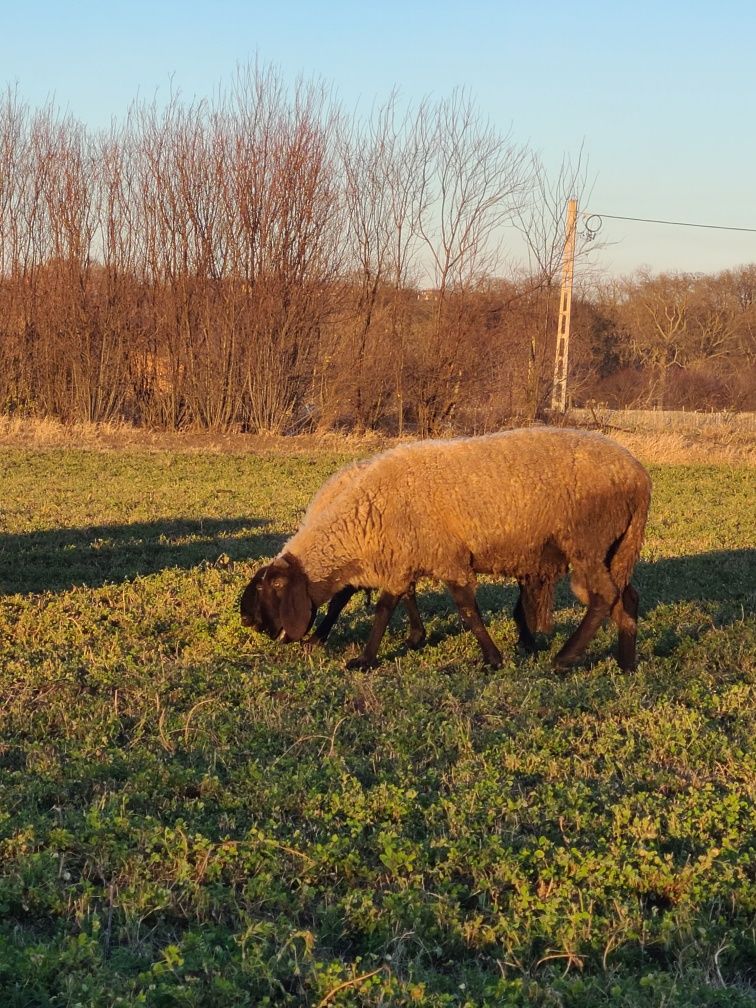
56, 560
723, 576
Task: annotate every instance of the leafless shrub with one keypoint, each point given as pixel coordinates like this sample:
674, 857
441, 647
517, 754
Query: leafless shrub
258, 262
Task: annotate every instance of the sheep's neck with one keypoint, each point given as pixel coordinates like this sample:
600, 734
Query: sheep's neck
325, 564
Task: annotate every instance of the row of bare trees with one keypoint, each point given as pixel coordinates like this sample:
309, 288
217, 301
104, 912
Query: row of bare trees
261, 262
677, 340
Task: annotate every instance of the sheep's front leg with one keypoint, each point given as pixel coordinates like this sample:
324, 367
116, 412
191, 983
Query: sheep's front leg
335, 607
383, 611
464, 597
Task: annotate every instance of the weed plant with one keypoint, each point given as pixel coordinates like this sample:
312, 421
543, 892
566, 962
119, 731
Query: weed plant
191, 815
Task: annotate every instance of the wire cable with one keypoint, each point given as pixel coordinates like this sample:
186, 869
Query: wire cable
650, 220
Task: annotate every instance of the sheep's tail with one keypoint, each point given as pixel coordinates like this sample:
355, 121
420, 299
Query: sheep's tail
627, 549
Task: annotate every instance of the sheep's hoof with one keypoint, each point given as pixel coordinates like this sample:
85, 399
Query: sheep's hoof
415, 641
360, 663
493, 659
527, 647
562, 664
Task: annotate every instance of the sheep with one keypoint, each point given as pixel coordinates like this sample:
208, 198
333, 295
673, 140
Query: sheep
525, 503
532, 611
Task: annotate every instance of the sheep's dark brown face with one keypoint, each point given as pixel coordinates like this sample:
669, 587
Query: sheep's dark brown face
257, 607
276, 601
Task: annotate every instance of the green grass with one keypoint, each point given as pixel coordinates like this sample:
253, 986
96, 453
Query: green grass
192, 816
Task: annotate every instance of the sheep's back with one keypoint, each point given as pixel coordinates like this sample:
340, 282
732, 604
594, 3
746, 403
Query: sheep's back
502, 499
495, 504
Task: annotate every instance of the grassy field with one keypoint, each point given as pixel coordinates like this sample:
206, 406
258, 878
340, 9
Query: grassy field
192, 816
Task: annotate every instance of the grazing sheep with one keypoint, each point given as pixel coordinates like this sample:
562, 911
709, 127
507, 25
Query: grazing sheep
532, 611
527, 504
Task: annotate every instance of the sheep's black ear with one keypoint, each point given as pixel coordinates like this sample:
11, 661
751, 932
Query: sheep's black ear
296, 610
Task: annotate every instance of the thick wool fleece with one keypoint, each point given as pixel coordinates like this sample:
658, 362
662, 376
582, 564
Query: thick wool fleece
331, 489
506, 504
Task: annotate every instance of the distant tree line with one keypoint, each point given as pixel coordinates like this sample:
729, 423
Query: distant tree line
261, 262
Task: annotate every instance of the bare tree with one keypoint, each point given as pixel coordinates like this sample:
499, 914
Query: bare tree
474, 179
299, 253
382, 193
657, 317
241, 219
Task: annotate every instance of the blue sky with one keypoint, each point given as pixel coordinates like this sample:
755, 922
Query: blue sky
660, 94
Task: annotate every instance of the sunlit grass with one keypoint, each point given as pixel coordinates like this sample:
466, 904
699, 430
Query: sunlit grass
191, 815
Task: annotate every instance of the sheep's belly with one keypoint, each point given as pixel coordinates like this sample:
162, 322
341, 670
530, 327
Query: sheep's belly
515, 556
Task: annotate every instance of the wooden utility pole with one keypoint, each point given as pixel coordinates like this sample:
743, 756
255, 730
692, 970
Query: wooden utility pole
559, 389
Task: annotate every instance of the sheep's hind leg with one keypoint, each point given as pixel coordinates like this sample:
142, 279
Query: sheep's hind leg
383, 611
625, 615
416, 635
464, 597
597, 612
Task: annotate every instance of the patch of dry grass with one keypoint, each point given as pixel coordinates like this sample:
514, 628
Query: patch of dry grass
733, 447
676, 437
49, 433
730, 444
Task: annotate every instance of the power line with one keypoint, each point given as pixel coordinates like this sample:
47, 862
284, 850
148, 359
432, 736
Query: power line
650, 220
